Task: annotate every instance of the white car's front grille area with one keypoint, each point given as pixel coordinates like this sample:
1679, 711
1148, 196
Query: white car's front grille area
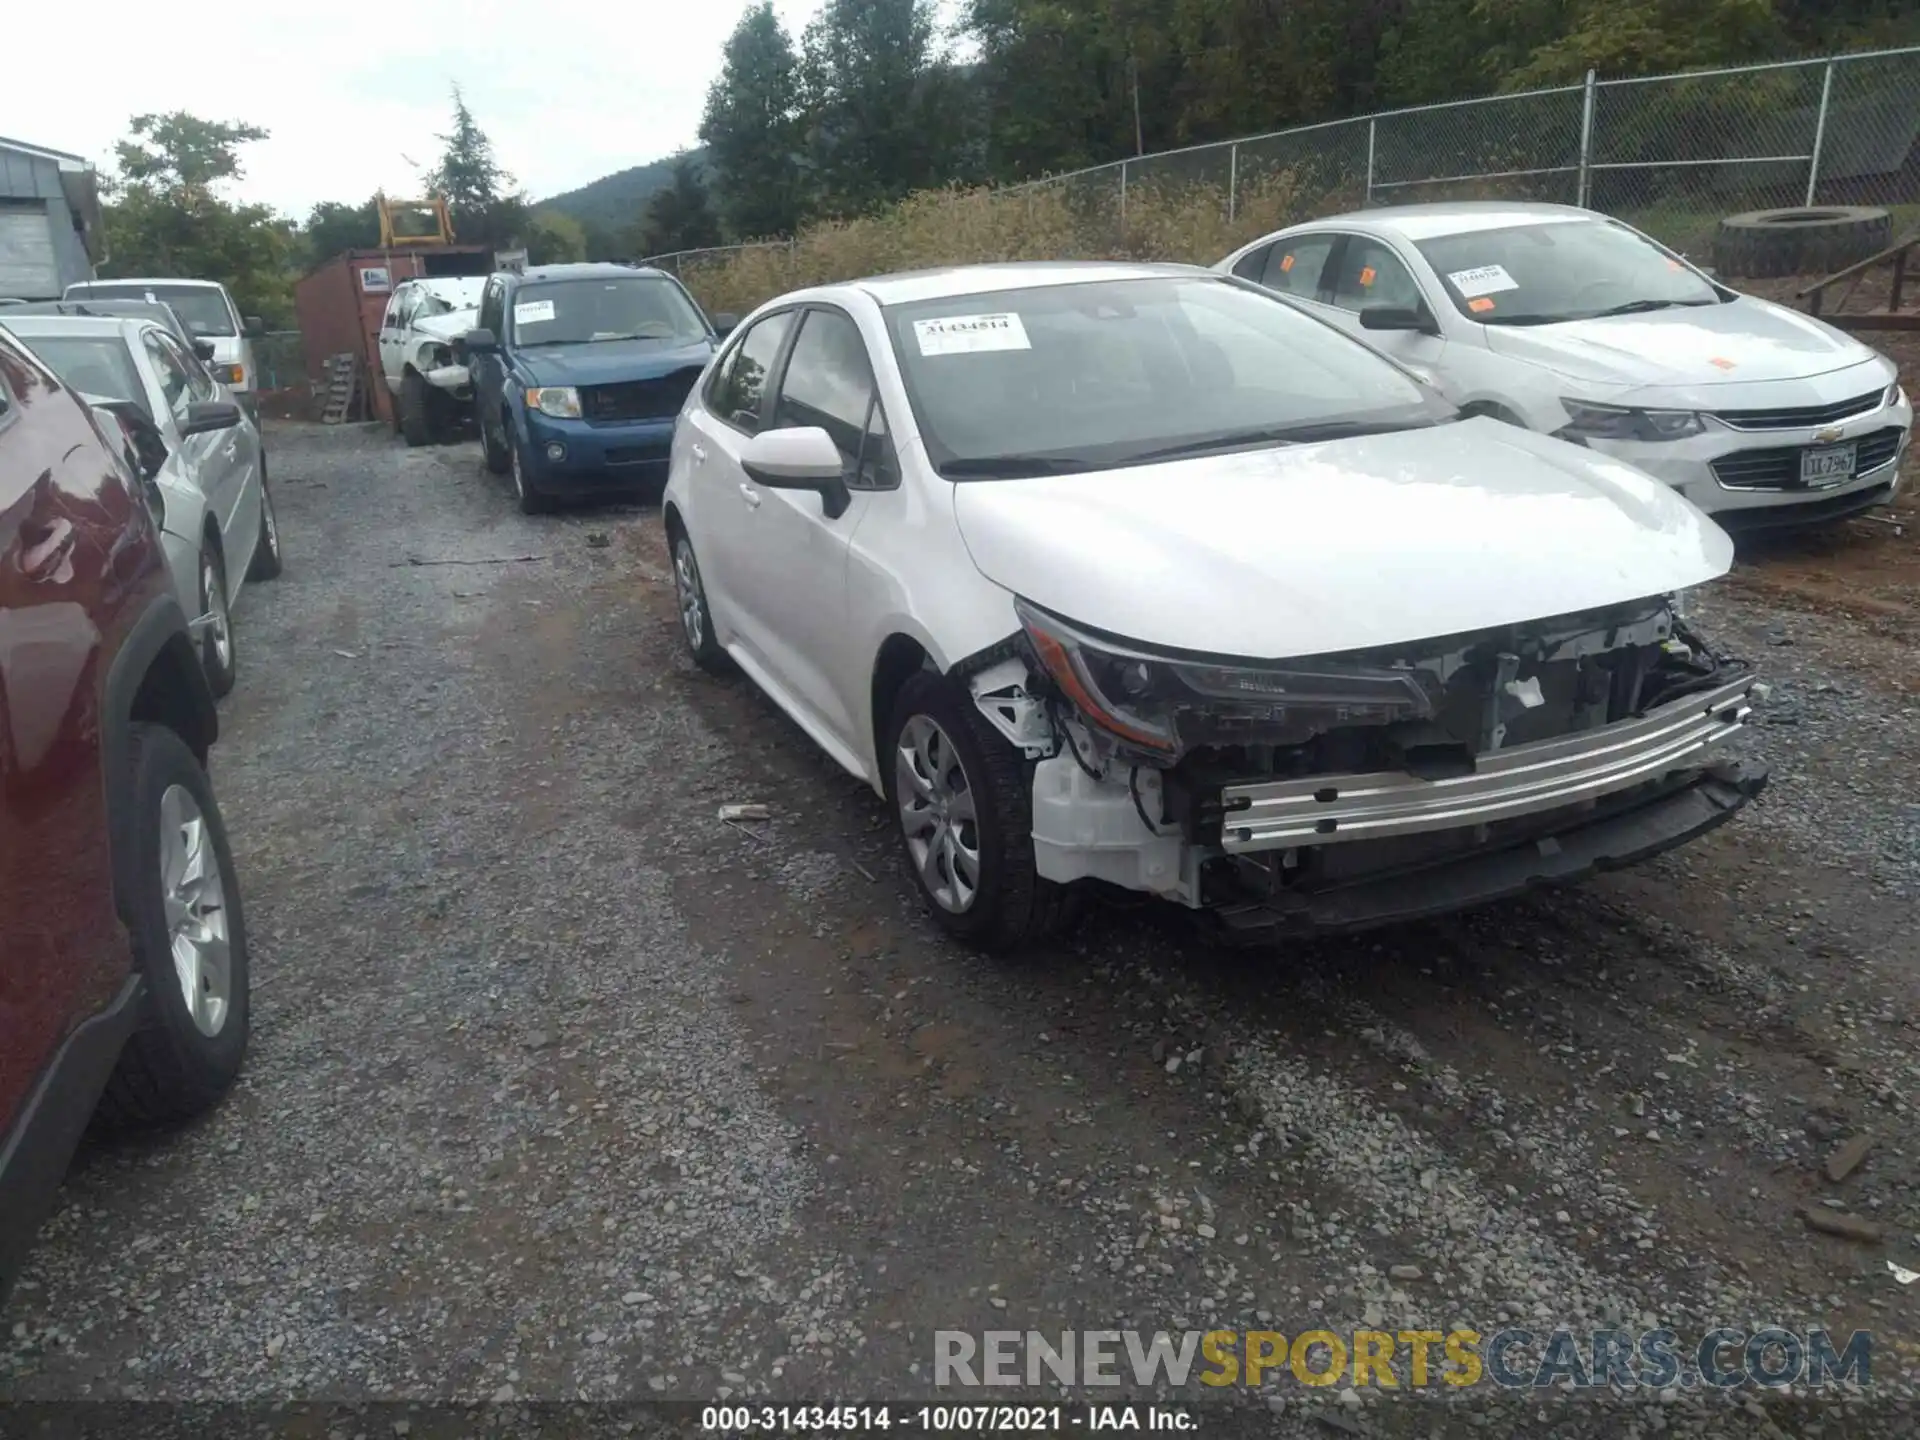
1778, 467
1802, 417
1522, 780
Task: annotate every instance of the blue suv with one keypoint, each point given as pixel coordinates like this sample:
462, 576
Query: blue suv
578, 373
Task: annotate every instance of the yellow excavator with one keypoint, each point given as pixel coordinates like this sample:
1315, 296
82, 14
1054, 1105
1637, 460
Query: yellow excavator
409, 223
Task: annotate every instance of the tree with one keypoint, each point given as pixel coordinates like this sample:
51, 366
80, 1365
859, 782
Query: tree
182, 155
880, 102
678, 217
752, 132
486, 207
555, 239
165, 215
332, 227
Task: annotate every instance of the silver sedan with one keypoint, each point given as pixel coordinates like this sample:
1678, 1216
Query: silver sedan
196, 450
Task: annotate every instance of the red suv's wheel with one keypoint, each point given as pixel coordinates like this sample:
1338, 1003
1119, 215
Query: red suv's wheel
189, 939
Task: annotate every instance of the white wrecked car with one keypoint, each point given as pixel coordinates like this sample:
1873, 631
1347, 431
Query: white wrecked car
430, 388
1140, 575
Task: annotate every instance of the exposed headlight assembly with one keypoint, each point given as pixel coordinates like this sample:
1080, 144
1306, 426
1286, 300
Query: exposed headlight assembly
1620, 422
560, 401
1161, 706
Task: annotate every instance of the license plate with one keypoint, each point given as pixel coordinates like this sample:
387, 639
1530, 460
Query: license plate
1826, 467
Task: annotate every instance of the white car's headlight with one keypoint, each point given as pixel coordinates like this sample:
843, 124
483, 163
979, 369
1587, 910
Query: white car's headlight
1164, 705
560, 401
1896, 397
1590, 421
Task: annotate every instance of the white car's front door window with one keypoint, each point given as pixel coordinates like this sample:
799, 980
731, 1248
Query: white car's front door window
1370, 274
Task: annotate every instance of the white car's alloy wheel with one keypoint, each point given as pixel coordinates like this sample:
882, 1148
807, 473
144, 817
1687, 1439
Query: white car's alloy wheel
219, 623
686, 584
937, 815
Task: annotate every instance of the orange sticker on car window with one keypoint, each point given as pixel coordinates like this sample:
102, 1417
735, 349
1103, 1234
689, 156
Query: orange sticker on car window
1673, 264
1286, 263
1721, 361
1480, 304
1368, 276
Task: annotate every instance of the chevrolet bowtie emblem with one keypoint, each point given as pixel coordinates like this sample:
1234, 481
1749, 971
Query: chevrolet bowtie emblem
1827, 434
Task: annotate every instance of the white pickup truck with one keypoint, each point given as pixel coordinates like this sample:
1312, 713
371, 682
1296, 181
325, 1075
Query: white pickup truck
430, 389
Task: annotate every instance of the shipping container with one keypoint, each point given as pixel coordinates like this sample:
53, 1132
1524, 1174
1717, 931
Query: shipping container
341, 302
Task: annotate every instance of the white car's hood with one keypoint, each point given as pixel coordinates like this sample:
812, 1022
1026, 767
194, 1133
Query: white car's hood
449, 326
1343, 545
1742, 341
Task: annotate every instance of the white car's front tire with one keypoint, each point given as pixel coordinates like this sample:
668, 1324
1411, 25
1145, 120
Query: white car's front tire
962, 801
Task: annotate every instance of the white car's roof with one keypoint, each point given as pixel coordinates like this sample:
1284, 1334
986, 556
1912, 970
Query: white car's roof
1426, 222
909, 286
144, 280
26, 326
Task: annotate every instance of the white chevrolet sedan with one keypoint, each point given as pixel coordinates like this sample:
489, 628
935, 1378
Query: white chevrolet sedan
1137, 576
1573, 323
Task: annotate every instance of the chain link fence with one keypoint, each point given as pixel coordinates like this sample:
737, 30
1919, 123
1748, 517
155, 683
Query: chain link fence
282, 361
1670, 154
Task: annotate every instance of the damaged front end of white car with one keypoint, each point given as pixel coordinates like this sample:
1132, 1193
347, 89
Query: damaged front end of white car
432, 352
1344, 791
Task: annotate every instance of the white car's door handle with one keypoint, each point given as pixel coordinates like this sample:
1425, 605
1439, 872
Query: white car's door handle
750, 495
699, 454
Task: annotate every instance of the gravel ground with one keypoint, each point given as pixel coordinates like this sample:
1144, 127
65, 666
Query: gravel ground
561, 1089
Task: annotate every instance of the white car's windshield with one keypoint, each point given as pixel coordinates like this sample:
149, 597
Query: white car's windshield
1566, 270
203, 310
100, 368
1091, 376
444, 299
577, 312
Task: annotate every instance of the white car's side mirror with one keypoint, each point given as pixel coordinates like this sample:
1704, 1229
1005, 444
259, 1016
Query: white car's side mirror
801, 458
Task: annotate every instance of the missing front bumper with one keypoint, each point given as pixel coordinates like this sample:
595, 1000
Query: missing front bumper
1622, 831
1505, 784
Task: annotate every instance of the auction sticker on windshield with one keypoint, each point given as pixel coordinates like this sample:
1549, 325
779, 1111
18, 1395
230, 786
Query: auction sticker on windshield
1482, 280
970, 334
531, 312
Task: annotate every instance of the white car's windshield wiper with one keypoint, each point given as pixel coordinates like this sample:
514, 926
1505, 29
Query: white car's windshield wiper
1013, 467
1303, 434
1641, 307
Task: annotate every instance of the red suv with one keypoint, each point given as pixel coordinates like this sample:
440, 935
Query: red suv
123, 955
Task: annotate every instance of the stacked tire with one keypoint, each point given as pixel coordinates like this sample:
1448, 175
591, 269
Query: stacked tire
1815, 240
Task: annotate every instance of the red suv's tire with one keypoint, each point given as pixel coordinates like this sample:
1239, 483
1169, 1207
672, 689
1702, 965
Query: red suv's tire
182, 1059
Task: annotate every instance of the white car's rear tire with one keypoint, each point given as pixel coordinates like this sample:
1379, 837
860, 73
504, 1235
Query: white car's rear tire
696, 617
962, 800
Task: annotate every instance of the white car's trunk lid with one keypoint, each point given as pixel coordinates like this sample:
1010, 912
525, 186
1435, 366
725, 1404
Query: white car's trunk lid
1340, 545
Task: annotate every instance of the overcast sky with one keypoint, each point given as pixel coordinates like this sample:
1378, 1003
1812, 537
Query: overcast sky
351, 93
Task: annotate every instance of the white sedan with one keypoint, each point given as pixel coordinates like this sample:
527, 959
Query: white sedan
1137, 575
1569, 322
194, 447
